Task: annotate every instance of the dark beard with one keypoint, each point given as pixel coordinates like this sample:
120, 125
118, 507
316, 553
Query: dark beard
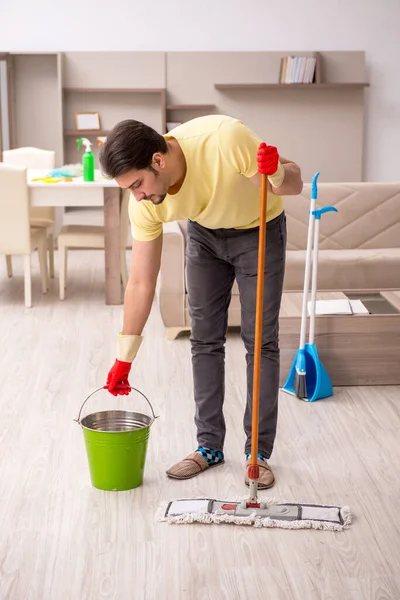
160, 200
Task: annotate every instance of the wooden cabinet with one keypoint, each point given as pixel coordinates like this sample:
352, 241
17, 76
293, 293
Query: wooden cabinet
320, 125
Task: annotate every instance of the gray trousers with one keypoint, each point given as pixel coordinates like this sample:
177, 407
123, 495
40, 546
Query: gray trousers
214, 258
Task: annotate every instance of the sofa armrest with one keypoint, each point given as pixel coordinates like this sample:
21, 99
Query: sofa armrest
172, 288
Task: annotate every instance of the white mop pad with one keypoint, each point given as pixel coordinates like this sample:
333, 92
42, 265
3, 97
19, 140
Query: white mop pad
272, 513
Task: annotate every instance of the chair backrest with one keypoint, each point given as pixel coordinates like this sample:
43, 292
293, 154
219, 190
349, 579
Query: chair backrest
15, 236
33, 158
29, 157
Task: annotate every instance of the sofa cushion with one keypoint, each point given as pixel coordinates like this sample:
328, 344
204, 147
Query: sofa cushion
368, 216
347, 269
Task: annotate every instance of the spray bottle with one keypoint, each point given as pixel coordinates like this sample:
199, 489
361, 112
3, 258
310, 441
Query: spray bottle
87, 159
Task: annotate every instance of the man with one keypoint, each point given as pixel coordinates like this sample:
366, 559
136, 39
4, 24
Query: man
206, 171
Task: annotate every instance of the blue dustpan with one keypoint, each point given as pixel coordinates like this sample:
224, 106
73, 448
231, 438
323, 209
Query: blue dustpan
318, 383
317, 379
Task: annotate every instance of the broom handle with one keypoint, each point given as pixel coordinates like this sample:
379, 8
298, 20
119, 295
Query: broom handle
317, 217
307, 273
303, 327
258, 324
314, 282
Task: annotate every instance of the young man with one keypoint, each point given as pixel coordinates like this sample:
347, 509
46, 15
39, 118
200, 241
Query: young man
206, 171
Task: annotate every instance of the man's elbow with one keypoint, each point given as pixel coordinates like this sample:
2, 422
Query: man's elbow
297, 180
298, 187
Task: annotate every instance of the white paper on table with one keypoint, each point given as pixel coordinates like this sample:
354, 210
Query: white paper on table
339, 306
358, 307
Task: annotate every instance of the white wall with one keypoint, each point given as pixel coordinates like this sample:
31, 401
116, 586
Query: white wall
169, 25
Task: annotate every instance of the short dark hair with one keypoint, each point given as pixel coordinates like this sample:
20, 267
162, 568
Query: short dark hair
130, 145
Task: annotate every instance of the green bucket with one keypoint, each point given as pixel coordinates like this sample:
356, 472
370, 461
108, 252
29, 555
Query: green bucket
116, 446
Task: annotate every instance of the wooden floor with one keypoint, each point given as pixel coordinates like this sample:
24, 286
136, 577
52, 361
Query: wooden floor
61, 539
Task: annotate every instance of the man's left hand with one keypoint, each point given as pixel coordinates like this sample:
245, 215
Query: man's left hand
267, 159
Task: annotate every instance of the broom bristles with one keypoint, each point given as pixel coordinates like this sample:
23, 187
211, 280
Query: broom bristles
300, 385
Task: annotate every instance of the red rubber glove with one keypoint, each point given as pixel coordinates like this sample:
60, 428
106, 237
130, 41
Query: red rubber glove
267, 159
117, 380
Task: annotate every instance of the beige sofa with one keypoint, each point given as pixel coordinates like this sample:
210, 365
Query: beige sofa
359, 247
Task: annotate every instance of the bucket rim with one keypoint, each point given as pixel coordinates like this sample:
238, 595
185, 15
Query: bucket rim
153, 416
144, 425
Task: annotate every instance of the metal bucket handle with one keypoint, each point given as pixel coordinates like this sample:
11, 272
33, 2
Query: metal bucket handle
132, 388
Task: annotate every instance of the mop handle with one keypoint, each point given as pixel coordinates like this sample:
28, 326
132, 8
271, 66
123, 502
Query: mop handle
303, 327
259, 311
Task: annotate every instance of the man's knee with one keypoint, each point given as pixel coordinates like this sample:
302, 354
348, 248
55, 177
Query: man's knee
269, 340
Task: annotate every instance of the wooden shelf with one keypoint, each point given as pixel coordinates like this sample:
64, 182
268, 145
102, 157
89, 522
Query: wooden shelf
160, 87
291, 86
116, 90
190, 106
86, 133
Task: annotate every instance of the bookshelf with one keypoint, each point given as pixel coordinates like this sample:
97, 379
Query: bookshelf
86, 133
291, 86
143, 104
117, 90
190, 107
118, 86
309, 123
298, 72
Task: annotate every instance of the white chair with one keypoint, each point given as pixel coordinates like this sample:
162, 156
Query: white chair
17, 237
40, 216
92, 237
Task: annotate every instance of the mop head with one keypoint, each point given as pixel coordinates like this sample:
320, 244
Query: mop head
270, 513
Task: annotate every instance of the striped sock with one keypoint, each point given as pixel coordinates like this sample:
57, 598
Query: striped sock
213, 457
248, 454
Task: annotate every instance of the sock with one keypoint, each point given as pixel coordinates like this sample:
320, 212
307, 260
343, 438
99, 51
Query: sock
213, 457
248, 454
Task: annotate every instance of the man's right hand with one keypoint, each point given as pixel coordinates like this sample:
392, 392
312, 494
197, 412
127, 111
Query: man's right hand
117, 379
139, 295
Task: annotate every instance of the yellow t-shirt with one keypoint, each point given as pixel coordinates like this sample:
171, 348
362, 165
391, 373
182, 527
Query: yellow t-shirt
221, 156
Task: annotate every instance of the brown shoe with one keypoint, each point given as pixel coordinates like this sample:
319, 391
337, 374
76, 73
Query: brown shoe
266, 479
192, 465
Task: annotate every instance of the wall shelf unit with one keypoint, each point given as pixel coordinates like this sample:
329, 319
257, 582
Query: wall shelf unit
88, 133
202, 107
165, 88
116, 90
291, 86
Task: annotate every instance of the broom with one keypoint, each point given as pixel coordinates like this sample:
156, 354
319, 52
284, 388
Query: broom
300, 384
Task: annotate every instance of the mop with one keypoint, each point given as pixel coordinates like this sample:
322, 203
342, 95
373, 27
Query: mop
256, 511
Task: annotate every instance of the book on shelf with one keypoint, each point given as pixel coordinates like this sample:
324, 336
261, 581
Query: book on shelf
297, 69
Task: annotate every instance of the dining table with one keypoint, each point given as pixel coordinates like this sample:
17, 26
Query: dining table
74, 191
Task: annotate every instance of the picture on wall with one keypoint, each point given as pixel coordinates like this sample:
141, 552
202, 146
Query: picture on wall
87, 121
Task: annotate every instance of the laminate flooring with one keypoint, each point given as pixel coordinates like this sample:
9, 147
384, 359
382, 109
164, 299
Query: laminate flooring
61, 539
